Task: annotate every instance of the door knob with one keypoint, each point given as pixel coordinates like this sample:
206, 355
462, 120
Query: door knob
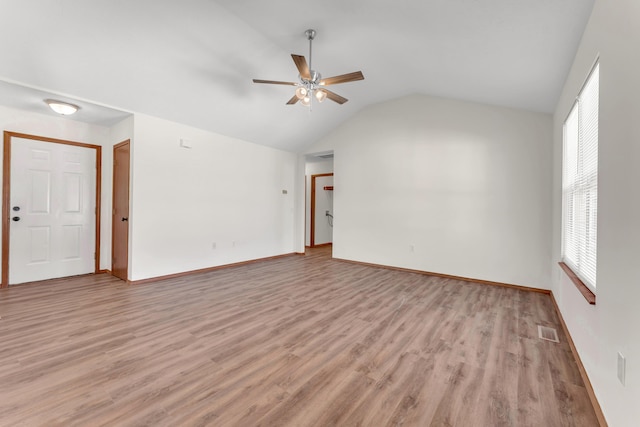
16, 218
125, 218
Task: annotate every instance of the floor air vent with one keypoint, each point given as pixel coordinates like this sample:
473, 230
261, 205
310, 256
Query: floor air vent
547, 333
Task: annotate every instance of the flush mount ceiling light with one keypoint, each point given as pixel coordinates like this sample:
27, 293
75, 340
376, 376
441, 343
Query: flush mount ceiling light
310, 83
60, 107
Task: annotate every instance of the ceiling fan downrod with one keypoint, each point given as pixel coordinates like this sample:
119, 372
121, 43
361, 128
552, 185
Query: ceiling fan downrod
311, 34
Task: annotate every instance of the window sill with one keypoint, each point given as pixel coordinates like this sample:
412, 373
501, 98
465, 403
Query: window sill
586, 292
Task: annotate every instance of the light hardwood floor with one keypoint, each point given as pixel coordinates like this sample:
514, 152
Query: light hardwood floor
296, 341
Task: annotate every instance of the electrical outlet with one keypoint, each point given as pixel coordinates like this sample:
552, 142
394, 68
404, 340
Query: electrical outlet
622, 362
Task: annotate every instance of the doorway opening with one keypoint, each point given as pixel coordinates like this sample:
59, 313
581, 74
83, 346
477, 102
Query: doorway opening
321, 229
319, 200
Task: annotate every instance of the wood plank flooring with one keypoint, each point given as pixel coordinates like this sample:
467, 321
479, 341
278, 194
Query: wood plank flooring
296, 341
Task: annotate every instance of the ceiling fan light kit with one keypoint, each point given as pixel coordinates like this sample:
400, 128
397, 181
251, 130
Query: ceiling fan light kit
310, 83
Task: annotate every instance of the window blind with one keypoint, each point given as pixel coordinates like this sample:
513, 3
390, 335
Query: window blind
580, 183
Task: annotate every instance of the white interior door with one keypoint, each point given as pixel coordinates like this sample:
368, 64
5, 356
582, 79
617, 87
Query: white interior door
52, 211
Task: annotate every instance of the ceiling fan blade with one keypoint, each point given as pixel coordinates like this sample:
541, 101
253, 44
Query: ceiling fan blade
301, 64
335, 97
344, 78
273, 82
293, 100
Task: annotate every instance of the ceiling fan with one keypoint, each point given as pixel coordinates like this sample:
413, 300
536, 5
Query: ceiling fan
311, 84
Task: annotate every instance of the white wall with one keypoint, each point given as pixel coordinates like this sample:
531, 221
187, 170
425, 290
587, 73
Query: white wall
299, 208
313, 167
445, 186
613, 324
15, 120
222, 190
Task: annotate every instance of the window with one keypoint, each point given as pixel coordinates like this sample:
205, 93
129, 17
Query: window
580, 183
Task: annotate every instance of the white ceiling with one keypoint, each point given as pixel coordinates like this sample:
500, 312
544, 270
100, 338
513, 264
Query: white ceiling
192, 61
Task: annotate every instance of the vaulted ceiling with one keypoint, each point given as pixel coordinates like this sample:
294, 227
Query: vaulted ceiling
193, 61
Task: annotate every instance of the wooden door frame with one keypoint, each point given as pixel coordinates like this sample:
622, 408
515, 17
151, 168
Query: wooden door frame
312, 230
6, 194
113, 198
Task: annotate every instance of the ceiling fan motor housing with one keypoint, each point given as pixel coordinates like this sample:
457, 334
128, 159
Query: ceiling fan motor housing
315, 78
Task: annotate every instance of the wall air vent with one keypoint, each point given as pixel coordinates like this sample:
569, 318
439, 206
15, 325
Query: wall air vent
547, 333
